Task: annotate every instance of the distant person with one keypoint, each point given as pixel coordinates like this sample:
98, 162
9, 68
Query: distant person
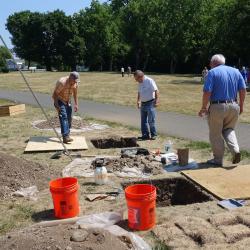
129, 71
122, 71
204, 74
244, 74
147, 100
248, 75
65, 88
222, 85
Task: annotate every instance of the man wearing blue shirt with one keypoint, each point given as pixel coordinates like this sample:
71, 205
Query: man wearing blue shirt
221, 88
147, 100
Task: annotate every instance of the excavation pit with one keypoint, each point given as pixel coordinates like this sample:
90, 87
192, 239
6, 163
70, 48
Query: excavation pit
175, 191
115, 142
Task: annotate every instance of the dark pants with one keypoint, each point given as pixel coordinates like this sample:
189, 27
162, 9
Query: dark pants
65, 117
148, 115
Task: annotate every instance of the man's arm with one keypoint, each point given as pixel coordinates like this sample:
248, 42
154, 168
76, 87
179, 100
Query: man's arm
205, 101
242, 94
157, 98
138, 100
75, 96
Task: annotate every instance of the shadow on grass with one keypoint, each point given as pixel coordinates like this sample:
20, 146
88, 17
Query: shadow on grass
43, 215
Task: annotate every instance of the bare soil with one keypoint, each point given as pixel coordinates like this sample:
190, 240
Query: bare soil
16, 173
147, 164
176, 191
115, 142
62, 237
76, 123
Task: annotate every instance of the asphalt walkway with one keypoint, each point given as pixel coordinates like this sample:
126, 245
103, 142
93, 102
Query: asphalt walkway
169, 123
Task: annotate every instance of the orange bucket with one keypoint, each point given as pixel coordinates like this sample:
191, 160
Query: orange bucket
141, 200
64, 193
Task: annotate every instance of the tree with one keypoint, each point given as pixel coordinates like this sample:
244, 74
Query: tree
102, 36
4, 54
26, 34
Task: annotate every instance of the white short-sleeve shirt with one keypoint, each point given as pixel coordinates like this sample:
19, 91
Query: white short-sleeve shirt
147, 89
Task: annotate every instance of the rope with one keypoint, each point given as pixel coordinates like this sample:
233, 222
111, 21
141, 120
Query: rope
35, 97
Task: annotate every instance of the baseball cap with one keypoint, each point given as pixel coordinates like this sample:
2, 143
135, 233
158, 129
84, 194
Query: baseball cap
75, 75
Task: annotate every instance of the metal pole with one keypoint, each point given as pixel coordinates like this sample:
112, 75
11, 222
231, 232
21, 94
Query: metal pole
35, 97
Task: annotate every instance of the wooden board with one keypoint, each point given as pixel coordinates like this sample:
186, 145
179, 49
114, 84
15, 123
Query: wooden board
224, 183
13, 109
46, 144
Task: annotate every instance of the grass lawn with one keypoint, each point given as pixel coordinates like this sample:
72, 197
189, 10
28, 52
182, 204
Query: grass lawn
178, 93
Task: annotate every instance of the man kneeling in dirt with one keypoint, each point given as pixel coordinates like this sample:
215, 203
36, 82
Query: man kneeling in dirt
65, 87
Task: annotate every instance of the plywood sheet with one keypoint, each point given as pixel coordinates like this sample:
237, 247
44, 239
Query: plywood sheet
224, 183
43, 144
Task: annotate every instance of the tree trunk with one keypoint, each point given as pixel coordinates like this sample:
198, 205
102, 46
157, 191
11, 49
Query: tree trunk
137, 60
172, 66
145, 64
111, 64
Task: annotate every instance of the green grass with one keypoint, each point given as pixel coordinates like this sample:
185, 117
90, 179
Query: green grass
17, 214
245, 154
196, 145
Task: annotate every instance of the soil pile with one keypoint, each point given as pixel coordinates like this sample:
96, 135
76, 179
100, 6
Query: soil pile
16, 173
62, 237
77, 123
147, 164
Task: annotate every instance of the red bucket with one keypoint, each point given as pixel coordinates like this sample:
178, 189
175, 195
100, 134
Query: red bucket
141, 202
64, 193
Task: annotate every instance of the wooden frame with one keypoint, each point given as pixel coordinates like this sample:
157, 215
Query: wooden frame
12, 109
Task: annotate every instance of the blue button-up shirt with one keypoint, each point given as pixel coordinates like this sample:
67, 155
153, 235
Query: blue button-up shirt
223, 82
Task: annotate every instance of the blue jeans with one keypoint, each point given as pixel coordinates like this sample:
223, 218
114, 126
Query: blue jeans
65, 117
148, 115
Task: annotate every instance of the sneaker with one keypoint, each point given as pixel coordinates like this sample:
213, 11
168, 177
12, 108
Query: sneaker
153, 137
214, 162
143, 138
236, 158
67, 139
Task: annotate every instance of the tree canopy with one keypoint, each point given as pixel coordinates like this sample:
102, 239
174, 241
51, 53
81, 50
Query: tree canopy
153, 35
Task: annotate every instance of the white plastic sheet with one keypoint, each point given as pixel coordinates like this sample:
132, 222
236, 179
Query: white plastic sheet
106, 221
29, 192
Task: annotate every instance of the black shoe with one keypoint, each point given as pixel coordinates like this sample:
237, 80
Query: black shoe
236, 158
67, 139
153, 137
214, 162
143, 138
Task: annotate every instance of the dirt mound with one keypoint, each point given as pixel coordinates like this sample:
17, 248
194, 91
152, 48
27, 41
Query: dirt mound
77, 123
62, 237
147, 164
16, 173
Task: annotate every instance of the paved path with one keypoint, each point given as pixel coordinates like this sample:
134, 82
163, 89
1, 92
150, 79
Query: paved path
179, 125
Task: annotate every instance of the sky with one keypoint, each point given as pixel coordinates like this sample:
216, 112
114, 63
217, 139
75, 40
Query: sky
9, 7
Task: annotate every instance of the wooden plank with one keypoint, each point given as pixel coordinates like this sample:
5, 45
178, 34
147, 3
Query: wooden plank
17, 108
13, 109
224, 183
46, 144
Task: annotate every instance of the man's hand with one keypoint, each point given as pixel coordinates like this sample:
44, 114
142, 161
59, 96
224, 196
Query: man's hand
138, 104
202, 112
57, 107
241, 110
76, 108
156, 104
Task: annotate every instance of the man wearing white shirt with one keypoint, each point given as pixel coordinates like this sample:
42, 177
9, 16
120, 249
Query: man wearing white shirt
147, 100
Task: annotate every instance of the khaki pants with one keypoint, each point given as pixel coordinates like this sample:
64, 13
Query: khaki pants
222, 120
